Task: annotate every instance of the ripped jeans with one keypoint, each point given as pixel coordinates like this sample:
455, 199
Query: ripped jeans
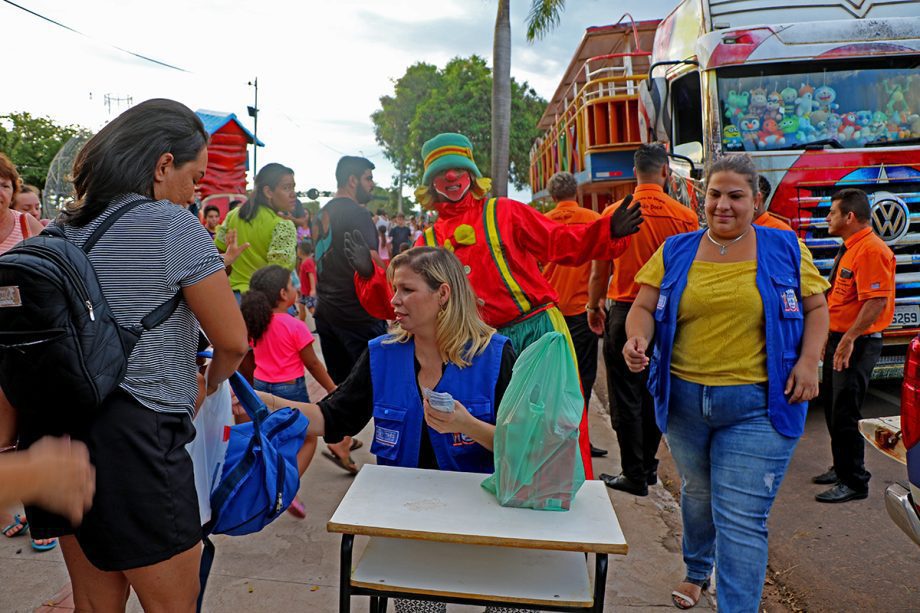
731, 462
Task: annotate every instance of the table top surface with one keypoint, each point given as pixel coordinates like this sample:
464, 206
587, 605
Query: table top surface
452, 507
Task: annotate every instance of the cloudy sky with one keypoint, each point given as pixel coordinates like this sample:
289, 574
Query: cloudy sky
322, 66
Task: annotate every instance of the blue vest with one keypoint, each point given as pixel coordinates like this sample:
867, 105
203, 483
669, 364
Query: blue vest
778, 281
398, 413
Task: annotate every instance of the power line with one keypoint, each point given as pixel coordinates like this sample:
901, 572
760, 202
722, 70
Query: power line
68, 28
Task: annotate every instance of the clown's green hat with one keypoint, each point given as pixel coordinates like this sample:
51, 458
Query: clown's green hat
448, 150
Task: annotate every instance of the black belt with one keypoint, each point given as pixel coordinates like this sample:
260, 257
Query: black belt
840, 335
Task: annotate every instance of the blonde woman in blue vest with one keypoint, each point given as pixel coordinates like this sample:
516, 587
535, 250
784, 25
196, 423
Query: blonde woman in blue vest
438, 343
738, 317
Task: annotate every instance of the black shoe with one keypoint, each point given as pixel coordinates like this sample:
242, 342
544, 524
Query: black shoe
651, 478
828, 478
624, 484
597, 452
841, 493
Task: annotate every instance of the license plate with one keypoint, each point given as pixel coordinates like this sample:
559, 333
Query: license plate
906, 315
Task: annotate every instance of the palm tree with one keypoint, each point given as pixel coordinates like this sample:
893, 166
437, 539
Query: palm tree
544, 16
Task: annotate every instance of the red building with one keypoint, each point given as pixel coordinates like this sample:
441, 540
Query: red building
228, 159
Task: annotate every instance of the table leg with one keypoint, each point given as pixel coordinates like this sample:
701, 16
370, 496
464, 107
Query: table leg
600, 581
348, 541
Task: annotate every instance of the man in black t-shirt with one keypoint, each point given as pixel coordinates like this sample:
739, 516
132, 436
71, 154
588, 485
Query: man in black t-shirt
400, 233
344, 327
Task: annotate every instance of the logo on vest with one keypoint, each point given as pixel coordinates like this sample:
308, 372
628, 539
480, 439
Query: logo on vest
462, 439
385, 436
790, 302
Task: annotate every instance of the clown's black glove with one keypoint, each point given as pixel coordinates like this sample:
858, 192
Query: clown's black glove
358, 254
625, 220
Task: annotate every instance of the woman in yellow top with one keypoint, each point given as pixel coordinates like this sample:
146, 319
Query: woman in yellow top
271, 239
738, 317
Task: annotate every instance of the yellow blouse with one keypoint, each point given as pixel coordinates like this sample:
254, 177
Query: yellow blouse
720, 320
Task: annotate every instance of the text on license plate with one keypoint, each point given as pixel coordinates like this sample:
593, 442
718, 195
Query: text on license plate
906, 315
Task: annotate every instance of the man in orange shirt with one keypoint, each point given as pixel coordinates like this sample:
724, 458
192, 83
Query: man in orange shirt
762, 217
632, 412
571, 283
861, 304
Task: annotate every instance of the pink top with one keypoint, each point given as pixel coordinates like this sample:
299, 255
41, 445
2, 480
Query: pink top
278, 351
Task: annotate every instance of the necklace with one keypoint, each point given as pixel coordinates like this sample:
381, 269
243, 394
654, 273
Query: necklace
722, 247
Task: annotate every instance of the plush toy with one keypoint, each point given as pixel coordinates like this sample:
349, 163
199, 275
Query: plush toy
736, 105
774, 106
750, 126
914, 122
790, 126
896, 101
806, 133
731, 138
818, 117
771, 135
758, 101
805, 103
832, 126
849, 129
825, 96
788, 95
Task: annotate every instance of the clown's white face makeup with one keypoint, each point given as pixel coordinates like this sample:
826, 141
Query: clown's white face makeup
452, 184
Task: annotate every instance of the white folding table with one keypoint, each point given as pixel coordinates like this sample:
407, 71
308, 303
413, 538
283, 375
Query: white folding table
438, 535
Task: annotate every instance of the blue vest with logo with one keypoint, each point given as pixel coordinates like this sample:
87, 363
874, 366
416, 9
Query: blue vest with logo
779, 284
398, 413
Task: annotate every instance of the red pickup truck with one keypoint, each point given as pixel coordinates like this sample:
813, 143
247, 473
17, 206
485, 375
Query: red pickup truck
899, 438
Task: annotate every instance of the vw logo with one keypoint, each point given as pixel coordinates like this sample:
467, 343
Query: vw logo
890, 217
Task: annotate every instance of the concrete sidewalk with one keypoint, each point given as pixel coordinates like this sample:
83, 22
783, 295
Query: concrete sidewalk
294, 564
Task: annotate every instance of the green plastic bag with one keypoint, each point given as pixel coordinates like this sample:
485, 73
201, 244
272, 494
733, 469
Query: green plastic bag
537, 459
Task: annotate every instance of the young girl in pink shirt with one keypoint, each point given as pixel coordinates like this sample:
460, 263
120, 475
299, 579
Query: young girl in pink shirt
282, 346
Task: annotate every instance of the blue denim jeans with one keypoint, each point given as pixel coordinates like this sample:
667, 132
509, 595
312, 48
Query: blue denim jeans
731, 462
296, 391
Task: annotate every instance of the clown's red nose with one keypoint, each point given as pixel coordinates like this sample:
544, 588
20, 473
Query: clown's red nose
451, 175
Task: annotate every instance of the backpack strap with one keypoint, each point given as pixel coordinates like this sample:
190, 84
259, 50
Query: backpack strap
24, 226
109, 222
161, 313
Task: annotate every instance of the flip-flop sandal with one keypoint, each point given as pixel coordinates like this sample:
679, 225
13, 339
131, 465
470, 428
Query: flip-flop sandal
348, 467
355, 444
17, 523
46, 547
296, 509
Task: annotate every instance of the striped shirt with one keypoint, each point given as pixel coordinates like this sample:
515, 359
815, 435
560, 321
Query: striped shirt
142, 261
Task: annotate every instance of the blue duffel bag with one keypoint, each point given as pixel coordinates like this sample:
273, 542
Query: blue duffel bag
260, 476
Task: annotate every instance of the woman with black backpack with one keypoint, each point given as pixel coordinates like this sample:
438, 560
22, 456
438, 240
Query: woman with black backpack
143, 531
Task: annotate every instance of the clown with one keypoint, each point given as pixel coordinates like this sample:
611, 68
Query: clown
500, 243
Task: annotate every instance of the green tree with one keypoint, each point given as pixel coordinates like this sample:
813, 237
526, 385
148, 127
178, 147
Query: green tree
459, 103
544, 15
32, 142
391, 121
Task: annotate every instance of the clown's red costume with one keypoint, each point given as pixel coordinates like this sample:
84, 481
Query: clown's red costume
500, 243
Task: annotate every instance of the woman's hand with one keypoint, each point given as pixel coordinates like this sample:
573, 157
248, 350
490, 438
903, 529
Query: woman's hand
634, 353
802, 384
63, 477
459, 420
233, 249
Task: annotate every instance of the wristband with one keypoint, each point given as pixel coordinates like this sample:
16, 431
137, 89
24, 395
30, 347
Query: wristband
591, 309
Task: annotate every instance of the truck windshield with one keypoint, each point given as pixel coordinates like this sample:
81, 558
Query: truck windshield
847, 104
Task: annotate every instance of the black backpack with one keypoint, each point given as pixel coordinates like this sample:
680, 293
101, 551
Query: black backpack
60, 346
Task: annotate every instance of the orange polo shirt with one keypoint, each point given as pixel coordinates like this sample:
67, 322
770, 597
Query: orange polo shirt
664, 217
570, 282
866, 271
769, 221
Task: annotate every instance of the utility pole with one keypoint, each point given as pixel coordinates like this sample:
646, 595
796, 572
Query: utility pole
254, 113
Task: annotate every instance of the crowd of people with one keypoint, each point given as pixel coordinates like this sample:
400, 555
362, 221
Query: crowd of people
711, 336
